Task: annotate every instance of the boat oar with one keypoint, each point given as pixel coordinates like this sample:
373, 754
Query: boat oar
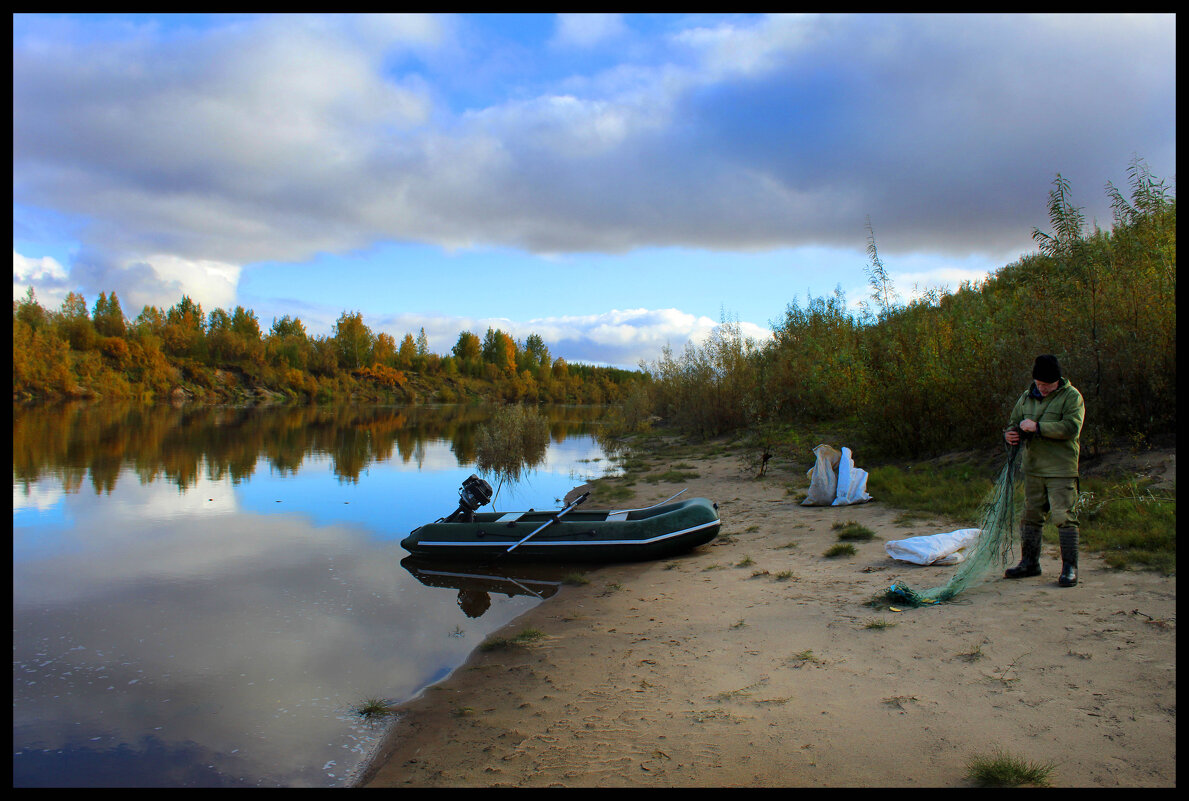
549, 522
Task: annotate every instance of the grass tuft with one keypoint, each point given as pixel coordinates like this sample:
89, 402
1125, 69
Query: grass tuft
1000, 769
852, 531
372, 709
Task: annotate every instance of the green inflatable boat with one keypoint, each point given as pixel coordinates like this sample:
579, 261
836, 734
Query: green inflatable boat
652, 532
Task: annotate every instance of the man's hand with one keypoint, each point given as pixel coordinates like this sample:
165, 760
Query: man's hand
1012, 436
1029, 425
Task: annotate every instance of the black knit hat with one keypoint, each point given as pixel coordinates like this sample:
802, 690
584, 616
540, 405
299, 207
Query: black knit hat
1046, 369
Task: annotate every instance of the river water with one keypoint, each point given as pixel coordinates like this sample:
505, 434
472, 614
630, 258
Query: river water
201, 597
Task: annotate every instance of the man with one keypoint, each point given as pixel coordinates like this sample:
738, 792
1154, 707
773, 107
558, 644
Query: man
1048, 420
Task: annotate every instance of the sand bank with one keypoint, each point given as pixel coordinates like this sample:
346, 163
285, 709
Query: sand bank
754, 661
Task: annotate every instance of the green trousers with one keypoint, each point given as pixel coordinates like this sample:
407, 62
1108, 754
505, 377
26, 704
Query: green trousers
1050, 496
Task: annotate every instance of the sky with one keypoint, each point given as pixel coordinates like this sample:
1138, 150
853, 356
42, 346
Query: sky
613, 183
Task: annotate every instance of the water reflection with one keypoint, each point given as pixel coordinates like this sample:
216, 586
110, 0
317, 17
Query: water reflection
475, 583
199, 597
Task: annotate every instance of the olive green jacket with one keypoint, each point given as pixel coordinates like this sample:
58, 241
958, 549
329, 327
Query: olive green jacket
1054, 450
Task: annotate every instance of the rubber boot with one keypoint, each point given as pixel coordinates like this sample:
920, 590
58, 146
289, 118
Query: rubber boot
1069, 557
1030, 552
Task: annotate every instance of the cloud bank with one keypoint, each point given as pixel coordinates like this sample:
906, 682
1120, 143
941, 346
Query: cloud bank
179, 156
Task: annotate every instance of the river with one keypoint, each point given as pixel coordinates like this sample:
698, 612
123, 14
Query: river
203, 596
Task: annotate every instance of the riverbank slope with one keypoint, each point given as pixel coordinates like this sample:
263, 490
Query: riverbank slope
757, 661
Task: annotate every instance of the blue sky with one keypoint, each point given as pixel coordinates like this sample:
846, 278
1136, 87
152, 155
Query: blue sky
611, 182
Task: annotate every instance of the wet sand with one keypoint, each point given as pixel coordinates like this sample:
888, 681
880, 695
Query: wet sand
755, 661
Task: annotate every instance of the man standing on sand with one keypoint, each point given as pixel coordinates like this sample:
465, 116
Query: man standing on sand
1048, 420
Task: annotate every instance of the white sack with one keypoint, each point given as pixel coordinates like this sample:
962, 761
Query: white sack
936, 549
852, 482
823, 483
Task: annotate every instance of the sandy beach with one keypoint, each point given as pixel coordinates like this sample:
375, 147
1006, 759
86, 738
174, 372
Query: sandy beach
755, 661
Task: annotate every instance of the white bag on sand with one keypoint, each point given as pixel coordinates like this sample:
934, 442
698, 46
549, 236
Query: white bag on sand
823, 483
935, 549
852, 482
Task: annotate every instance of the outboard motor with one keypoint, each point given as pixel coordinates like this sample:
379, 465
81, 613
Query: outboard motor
474, 493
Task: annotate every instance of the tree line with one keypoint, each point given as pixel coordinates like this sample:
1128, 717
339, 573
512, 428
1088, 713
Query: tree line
224, 355
942, 371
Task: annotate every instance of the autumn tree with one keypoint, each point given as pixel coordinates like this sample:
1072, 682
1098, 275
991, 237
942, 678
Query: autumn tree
29, 311
384, 350
499, 350
287, 344
353, 341
468, 350
185, 329
75, 323
108, 317
407, 352
534, 355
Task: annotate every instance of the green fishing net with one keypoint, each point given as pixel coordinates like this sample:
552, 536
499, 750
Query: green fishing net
997, 516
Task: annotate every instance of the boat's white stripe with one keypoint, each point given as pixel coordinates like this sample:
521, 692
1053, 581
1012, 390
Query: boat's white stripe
552, 543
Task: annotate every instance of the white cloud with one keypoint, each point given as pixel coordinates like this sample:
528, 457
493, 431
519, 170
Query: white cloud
620, 337
47, 277
587, 30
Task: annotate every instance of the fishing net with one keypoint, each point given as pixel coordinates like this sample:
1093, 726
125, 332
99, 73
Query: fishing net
997, 515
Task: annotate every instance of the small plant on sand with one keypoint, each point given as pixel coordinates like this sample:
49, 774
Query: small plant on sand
850, 530
746, 561
878, 624
372, 709
899, 701
840, 549
784, 575
806, 657
523, 638
575, 579
1000, 769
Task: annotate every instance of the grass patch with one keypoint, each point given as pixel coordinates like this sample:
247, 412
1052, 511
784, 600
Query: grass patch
523, 638
878, 624
671, 477
575, 579
840, 549
1129, 523
852, 531
1000, 769
953, 491
1125, 520
615, 492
